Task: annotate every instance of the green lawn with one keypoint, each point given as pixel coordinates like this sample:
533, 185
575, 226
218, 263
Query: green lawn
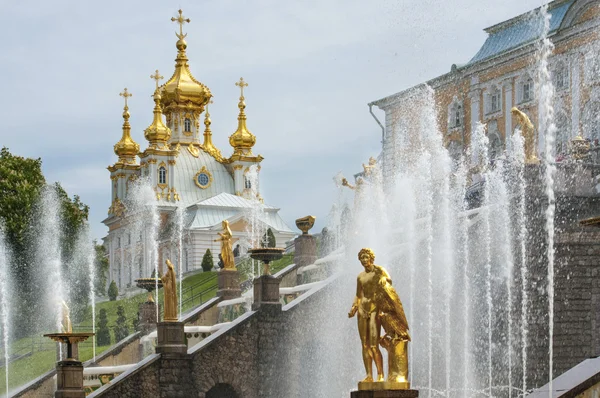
43, 351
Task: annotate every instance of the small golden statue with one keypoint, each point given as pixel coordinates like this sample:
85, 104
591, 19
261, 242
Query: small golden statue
377, 303
359, 183
226, 239
169, 281
369, 168
66, 318
528, 132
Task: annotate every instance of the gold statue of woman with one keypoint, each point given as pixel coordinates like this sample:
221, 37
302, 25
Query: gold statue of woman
226, 239
169, 281
377, 302
528, 132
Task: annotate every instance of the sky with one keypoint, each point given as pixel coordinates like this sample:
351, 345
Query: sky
312, 68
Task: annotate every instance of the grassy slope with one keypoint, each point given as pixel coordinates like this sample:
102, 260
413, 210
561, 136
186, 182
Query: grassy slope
40, 362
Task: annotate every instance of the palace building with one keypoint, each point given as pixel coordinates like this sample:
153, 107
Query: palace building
186, 172
501, 75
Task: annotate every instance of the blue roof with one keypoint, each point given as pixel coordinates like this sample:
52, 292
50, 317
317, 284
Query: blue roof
525, 29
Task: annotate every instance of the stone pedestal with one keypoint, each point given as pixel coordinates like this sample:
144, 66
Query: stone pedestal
147, 317
229, 284
385, 394
171, 338
266, 292
305, 250
69, 380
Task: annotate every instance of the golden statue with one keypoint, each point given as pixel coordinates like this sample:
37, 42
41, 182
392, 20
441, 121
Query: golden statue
66, 318
226, 240
528, 132
377, 303
169, 281
369, 168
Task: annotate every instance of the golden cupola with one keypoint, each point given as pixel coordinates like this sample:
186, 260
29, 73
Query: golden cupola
182, 89
157, 133
242, 140
126, 149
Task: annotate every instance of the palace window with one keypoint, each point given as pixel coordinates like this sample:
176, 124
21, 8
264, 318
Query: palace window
247, 183
527, 91
187, 125
494, 101
561, 77
455, 114
162, 175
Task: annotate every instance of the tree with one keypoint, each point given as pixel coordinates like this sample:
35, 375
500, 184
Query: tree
101, 264
102, 330
121, 329
21, 185
207, 261
113, 291
268, 239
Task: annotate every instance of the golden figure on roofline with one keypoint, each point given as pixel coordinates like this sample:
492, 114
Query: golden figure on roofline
377, 304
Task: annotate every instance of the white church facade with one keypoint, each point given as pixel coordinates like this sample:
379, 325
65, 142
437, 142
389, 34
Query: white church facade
194, 185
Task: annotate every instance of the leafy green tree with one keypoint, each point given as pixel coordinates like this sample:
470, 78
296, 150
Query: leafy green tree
121, 329
21, 185
102, 330
101, 264
207, 261
268, 239
113, 291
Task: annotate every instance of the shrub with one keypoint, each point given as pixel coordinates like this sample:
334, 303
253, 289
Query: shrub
121, 329
102, 330
113, 291
207, 261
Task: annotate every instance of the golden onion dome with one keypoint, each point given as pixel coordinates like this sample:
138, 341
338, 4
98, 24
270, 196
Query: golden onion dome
242, 140
182, 88
126, 149
157, 132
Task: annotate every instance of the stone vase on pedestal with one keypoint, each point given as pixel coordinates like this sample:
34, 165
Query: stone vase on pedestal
171, 338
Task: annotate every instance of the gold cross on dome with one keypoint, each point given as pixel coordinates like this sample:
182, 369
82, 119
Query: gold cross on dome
156, 77
180, 20
125, 94
209, 102
241, 84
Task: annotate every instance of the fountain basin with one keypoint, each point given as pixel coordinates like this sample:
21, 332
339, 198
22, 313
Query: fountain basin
266, 255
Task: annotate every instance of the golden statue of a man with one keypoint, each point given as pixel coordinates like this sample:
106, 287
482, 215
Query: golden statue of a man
377, 302
169, 281
528, 132
226, 239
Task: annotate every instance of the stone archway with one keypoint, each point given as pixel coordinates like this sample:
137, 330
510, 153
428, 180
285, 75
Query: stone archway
222, 390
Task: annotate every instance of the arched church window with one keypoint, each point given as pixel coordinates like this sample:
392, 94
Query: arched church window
162, 175
247, 183
187, 125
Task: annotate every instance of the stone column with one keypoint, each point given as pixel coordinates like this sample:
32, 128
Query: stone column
266, 293
228, 284
69, 379
305, 247
147, 316
171, 338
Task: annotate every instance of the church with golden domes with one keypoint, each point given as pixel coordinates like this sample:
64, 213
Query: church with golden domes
189, 176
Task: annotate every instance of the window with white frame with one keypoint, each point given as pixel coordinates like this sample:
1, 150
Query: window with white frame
494, 101
162, 175
561, 77
455, 114
527, 90
187, 125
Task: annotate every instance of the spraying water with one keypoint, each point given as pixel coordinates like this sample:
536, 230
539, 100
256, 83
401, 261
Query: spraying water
4, 295
547, 130
179, 240
92, 285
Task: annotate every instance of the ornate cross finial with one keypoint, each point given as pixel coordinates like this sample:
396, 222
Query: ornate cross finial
180, 20
241, 84
209, 102
156, 76
125, 94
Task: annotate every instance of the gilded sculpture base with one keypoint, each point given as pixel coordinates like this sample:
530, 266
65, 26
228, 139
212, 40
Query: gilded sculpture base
384, 393
383, 385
